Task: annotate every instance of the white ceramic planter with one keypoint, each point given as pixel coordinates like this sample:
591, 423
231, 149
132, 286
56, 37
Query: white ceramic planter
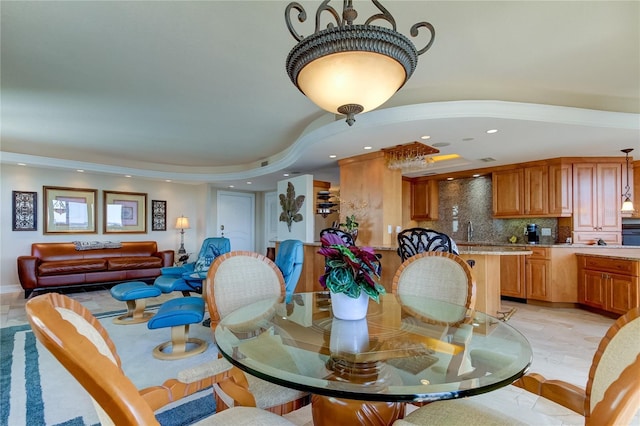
348, 308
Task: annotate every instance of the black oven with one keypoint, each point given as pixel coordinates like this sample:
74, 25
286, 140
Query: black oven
631, 232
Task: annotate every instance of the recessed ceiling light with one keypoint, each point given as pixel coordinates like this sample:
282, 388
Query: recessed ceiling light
476, 175
249, 182
332, 156
467, 139
21, 164
127, 176
425, 137
440, 144
367, 147
285, 174
449, 178
167, 180
492, 131
231, 186
80, 171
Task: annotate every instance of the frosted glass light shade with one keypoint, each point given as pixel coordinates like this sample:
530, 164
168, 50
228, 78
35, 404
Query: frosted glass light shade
627, 206
363, 78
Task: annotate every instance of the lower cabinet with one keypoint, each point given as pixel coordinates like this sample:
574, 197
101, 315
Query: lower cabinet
538, 274
512, 281
608, 283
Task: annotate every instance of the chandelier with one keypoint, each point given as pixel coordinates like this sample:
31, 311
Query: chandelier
409, 156
349, 69
627, 204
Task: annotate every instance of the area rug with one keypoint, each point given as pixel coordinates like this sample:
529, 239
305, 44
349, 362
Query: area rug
36, 390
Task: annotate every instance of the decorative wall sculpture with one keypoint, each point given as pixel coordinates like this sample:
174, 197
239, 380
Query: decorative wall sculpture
291, 206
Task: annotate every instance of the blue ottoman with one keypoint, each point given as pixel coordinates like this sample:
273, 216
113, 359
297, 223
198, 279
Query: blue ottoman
179, 314
135, 293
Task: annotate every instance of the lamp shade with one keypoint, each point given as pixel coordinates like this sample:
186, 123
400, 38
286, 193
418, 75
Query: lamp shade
182, 223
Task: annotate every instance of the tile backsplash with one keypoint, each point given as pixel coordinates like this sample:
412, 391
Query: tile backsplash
469, 200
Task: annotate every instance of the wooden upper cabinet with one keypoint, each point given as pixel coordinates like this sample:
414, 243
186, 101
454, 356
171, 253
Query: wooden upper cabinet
424, 199
597, 202
508, 189
560, 190
536, 191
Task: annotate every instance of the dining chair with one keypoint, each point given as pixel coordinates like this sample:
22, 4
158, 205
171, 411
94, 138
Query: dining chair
289, 259
80, 343
611, 395
235, 280
412, 241
344, 236
188, 278
447, 281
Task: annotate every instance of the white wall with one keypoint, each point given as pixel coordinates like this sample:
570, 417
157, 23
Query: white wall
197, 202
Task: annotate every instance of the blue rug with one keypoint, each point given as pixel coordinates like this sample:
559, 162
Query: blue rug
36, 390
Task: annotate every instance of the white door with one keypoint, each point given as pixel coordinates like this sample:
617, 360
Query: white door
236, 219
271, 215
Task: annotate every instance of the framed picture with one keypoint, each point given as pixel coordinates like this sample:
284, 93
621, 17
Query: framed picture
158, 215
69, 210
125, 212
25, 211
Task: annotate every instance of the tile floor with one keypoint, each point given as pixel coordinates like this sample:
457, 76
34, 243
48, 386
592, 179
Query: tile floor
563, 339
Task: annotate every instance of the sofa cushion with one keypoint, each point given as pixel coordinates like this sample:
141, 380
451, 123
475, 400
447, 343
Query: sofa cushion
72, 266
133, 262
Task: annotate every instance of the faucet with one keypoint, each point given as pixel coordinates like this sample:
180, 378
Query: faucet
469, 231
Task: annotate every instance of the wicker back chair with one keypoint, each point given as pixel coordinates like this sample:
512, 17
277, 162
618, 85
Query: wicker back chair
78, 340
417, 240
610, 398
441, 277
235, 280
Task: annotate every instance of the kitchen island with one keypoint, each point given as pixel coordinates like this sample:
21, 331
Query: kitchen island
486, 270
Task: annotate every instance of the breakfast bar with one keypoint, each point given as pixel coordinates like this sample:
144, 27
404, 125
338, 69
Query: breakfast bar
486, 270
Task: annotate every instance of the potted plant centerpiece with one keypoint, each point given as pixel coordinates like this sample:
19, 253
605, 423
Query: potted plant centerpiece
351, 275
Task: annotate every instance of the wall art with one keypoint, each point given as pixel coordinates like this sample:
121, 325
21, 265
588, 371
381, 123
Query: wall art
25, 211
158, 215
125, 212
69, 210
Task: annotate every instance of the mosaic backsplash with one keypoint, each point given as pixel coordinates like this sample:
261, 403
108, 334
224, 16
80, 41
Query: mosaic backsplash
469, 200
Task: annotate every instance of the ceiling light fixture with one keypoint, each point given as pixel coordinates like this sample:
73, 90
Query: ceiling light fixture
627, 205
349, 69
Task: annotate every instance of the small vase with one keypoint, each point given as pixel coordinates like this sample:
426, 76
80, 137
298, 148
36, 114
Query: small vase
348, 308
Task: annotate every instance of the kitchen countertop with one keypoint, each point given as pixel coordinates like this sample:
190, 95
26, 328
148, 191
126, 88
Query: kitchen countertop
610, 256
555, 245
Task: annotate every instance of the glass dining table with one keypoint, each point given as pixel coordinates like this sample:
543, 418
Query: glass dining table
408, 349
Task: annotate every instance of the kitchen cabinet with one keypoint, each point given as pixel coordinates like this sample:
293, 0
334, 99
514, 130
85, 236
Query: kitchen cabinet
424, 199
508, 190
536, 191
512, 277
560, 190
538, 274
597, 202
608, 283
539, 190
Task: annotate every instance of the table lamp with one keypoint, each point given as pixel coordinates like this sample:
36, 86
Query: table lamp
182, 223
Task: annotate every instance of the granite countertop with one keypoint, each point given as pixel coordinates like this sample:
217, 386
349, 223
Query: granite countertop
611, 256
554, 245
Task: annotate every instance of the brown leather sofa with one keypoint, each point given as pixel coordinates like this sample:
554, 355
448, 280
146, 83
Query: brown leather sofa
55, 265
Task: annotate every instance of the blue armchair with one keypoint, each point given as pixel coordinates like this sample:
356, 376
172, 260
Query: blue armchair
289, 260
189, 277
